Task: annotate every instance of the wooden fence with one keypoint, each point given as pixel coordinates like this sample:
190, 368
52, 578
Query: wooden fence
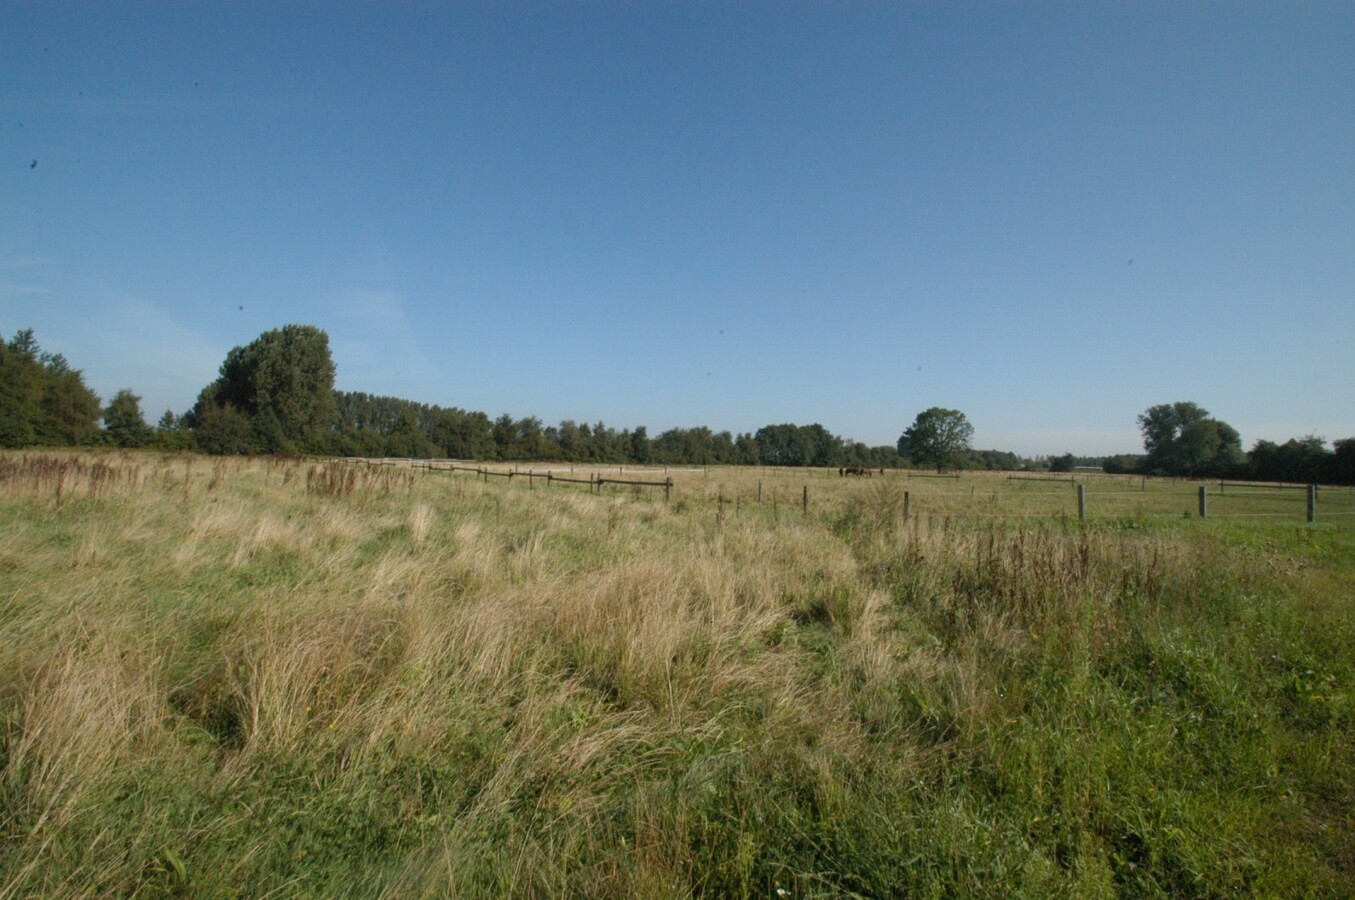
968, 495
596, 481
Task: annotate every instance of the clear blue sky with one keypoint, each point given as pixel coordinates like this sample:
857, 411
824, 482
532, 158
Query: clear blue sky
1048, 215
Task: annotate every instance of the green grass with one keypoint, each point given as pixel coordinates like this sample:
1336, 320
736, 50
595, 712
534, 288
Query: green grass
248, 678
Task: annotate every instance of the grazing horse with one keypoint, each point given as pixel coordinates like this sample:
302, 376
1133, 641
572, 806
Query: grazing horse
855, 470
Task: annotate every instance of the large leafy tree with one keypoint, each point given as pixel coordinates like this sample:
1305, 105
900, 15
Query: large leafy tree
1183, 439
281, 386
938, 437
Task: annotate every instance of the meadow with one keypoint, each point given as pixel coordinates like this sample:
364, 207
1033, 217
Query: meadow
287, 677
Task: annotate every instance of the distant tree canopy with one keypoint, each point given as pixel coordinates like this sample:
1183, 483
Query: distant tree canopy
172, 433
1182, 439
124, 422
1343, 461
43, 401
275, 394
937, 438
369, 425
1065, 463
1303, 460
798, 445
990, 460
1124, 464
372, 425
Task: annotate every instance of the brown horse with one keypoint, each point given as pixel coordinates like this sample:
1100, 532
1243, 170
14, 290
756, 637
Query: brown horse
855, 470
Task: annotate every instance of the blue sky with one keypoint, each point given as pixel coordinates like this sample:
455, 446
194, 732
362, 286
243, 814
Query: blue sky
1048, 215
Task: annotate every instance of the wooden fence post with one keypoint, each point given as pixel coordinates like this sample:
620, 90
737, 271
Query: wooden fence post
806, 500
1312, 503
1204, 503
759, 493
1082, 502
905, 506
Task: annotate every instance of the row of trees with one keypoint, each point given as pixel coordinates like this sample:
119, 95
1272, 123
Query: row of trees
45, 402
368, 425
1305, 460
1180, 440
1184, 440
276, 395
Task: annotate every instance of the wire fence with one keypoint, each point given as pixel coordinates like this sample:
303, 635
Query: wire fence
976, 496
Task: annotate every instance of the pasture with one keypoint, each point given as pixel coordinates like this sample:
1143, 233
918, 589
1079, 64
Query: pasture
265, 677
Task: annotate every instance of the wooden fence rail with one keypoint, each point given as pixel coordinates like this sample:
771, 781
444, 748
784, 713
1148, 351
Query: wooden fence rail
594, 482
1217, 499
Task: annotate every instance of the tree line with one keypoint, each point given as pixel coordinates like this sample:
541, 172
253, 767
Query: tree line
276, 395
42, 399
1183, 440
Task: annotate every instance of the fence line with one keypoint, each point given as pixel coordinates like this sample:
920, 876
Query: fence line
1252, 515
1201, 499
595, 480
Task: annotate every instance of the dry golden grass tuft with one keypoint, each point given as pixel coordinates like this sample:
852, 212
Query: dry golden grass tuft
420, 522
84, 712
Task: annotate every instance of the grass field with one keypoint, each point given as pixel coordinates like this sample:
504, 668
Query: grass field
297, 678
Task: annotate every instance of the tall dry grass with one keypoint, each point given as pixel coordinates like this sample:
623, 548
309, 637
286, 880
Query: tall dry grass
261, 676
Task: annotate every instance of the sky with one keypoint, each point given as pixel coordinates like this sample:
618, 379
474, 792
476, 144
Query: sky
1049, 216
